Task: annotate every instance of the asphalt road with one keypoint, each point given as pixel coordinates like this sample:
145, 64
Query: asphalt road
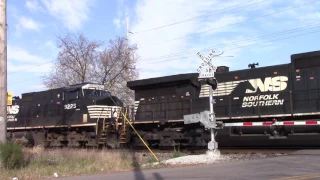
300, 165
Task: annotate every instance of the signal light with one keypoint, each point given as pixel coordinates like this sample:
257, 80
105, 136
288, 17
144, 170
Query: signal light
212, 82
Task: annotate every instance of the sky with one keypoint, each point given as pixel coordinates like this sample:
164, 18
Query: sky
168, 33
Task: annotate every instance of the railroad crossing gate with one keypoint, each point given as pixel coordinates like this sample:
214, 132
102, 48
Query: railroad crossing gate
206, 69
202, 117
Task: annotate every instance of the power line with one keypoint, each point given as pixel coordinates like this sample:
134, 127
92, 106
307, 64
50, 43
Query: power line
201, 16
24, 80
229, 25
239, 47
215, 46
208, 30
204, 49
236, 42
311, 26
47, 62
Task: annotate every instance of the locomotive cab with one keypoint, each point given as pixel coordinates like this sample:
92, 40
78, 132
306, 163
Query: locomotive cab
92, 94
84, 91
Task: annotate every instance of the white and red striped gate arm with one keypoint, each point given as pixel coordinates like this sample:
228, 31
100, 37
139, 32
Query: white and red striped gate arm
277, 123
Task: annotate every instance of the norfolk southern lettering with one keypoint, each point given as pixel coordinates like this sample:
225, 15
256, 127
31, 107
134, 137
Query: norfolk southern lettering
262, 100
271, 84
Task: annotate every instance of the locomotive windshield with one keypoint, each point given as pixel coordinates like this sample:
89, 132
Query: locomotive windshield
95, 93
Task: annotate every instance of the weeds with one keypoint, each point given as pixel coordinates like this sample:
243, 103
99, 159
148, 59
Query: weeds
135, 165
176, 153
44, 163
11, 155
152, 160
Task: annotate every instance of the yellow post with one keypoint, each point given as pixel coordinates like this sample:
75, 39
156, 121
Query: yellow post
9, 98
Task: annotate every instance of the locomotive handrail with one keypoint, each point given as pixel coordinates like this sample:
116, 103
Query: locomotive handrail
125, 117
103, 121
117, 119
98, 120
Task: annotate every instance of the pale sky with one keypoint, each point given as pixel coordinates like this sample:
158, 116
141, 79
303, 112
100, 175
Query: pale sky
168, 33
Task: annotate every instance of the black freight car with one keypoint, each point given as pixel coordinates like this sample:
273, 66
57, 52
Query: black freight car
75, 116
266, 106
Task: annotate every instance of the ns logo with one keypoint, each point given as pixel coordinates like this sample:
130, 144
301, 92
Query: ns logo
271, 84
13, 109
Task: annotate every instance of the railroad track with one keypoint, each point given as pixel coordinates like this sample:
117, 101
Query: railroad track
245, 150
223, 151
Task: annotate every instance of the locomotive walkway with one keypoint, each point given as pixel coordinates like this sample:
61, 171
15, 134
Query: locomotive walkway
300, 165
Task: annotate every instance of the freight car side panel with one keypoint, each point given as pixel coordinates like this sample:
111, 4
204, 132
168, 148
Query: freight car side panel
252, 93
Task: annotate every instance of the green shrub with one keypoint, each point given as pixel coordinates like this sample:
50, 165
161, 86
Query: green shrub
11, 155
135, 165
152, 160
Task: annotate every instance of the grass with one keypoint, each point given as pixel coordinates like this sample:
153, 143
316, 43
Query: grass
176, 153
42, 163
11, 155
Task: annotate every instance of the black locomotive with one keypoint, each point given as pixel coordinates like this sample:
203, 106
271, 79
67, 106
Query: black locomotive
81, 115
260, 106
266, 106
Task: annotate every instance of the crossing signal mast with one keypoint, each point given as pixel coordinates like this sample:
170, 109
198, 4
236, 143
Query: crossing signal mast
206, 76
212, 82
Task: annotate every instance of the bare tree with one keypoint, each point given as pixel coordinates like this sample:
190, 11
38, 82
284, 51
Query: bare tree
73, 62
118, 64
115, 66
81, 60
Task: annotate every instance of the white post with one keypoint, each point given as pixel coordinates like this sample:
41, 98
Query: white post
212, 145
211, 112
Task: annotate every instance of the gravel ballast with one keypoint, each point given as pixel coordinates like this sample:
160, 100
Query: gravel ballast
205, 159
192, 159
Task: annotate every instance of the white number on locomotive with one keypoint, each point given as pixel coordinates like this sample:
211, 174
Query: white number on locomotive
69, 106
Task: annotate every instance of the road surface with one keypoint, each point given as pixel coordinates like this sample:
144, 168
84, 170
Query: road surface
301, 165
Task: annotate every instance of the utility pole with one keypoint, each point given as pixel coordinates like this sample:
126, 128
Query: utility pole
127, 52
3, 71
127, 32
